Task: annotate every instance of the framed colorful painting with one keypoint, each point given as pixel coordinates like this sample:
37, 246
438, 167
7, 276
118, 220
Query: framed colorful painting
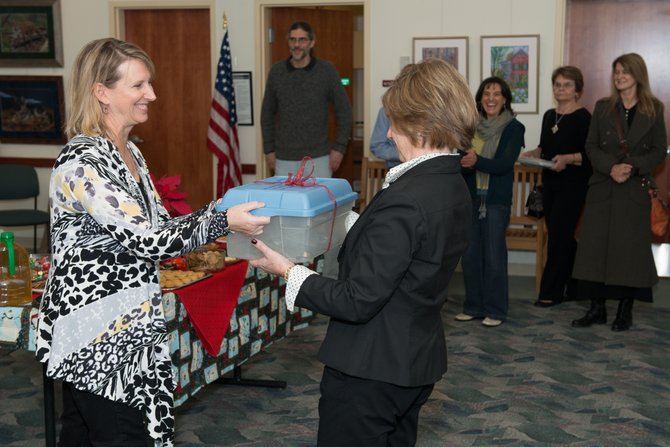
452, 49
31, 109
30, 33
516, 60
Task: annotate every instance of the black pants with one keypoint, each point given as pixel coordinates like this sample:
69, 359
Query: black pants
357, 412
91, 420
562, 209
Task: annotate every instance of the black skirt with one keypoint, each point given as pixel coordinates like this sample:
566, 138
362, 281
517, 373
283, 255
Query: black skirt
587, 290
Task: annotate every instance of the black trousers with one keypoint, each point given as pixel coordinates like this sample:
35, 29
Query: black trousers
355, 412
89, 420
562, 209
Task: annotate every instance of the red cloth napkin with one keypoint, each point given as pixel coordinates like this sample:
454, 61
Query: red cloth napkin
210, 304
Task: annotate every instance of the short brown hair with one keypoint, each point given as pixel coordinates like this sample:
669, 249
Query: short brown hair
572, 73
97, 62
306, 27
431, 101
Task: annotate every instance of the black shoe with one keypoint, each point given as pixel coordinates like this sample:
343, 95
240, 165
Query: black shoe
624, 316
569, 298
597, 314
589, 319
547, 303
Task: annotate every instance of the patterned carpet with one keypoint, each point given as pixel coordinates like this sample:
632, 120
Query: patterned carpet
534, 381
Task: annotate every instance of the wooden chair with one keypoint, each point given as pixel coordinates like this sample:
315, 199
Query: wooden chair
372, 178
527, 233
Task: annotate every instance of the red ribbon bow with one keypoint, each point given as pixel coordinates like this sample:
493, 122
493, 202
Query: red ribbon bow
299, 179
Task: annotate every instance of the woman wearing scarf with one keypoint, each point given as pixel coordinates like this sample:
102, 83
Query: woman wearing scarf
488, 168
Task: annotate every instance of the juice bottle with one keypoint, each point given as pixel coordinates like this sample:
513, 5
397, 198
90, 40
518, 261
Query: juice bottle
15, 279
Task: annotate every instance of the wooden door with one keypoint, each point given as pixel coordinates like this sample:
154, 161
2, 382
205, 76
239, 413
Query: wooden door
175, 136
334, 31
597, 31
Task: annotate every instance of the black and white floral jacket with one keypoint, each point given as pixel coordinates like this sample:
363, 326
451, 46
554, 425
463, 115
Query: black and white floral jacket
101, 325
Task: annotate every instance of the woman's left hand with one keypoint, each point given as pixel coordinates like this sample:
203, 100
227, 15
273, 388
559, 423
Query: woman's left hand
240, 219
621, 172
561, 162
271, 262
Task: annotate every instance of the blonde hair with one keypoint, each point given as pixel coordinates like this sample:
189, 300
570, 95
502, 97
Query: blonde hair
97, 62
633, 64
431, 104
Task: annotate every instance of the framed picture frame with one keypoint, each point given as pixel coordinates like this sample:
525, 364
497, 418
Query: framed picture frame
244, 101
32, 109
30, 33
452, 49
516, 59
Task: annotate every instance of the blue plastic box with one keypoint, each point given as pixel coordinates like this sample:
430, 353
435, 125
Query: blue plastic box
302, 217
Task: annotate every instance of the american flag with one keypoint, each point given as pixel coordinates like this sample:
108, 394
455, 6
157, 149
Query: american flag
222, 137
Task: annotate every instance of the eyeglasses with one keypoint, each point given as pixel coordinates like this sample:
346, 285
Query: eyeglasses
299, 40
565, 85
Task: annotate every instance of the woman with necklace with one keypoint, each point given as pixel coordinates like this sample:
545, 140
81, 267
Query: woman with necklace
562, 141
626, 141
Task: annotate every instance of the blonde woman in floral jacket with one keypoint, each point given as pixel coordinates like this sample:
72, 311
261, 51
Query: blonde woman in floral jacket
101, 325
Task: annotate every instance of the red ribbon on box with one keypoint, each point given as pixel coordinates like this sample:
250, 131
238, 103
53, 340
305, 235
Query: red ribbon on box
299, 179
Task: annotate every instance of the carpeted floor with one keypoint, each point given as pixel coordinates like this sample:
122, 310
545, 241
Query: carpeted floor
534, 381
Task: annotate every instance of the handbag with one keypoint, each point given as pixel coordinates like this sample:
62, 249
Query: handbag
534, 206
660, 213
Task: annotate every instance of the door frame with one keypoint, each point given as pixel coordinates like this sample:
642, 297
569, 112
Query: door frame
117, 29
117, 25
262, 14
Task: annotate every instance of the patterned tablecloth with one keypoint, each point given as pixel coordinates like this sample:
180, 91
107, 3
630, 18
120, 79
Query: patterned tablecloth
259, 319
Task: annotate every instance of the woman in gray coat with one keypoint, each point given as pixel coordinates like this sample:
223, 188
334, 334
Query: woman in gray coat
627, 139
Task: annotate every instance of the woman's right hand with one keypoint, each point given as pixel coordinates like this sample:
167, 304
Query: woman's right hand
533, 153
240, 219
469, 159
621, 172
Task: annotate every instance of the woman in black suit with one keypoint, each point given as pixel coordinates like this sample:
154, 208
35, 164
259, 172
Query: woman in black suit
385, 345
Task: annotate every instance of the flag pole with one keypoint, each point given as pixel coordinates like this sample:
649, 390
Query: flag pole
222, 138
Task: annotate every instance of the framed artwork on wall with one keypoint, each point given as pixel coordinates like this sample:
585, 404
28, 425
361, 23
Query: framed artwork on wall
31, 109
243, 98
452, 49
30, 33
515, 59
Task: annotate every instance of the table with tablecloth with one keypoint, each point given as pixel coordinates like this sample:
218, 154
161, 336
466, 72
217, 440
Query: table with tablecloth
258, 318
233, 314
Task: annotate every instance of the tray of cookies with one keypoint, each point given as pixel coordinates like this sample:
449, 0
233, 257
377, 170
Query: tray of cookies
176, 279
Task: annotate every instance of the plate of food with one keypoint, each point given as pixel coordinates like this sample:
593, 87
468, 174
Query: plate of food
176, 279
536, 162
231, 260
38, 285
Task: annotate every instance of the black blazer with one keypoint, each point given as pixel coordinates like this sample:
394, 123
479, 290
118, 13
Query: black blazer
395, 265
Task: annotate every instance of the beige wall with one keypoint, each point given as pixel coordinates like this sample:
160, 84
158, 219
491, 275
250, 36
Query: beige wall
392, 25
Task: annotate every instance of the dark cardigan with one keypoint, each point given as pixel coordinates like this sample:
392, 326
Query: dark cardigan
500, 168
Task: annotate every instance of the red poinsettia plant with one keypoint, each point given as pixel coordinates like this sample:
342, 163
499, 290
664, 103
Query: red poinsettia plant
173, 200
